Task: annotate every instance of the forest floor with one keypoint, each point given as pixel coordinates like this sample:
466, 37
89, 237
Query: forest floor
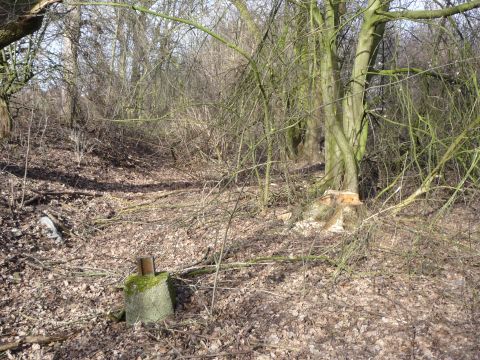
403, 286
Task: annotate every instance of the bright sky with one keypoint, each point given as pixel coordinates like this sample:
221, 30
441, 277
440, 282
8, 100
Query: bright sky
412, 4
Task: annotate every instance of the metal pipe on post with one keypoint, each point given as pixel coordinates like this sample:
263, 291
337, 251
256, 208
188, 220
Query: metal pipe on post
146, 265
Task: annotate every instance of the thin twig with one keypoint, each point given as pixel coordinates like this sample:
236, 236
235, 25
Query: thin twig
24, 184
268, 260
229, 355
222, 249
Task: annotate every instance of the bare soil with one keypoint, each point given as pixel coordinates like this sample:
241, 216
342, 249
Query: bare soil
401, 287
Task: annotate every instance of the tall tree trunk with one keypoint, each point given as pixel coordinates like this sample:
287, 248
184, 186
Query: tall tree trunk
346, 128
139, 54
340, 166
346, 132
71, 93
305, 131
371, 33
308, 99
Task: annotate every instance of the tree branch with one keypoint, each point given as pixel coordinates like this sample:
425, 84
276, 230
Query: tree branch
20, 21
416, 71
210, 269
428, 14
247, 17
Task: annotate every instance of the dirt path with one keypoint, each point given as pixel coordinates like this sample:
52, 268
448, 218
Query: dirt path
397, 289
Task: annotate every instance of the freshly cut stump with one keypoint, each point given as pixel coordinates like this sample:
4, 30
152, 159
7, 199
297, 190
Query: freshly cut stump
148, 298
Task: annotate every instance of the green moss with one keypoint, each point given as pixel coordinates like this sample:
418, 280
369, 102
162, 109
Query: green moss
137, 283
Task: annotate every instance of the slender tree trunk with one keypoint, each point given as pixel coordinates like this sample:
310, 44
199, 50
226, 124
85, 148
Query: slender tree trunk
305, 134
122, 38
309, 99
139, 53
340, 167
71, 94
346, 129
6, 122
5, 118
346, 132
371, 32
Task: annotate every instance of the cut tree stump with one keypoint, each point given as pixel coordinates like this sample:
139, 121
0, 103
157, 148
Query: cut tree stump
336, 209
149, 297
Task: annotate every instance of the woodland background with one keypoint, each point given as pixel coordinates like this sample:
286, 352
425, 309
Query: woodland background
205, 133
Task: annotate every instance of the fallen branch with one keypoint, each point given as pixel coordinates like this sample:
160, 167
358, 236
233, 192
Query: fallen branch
146, 204
39, 339
209, 269
67, 193
43, 195
218, 355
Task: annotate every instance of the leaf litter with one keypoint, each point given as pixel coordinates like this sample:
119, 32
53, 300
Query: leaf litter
410, 290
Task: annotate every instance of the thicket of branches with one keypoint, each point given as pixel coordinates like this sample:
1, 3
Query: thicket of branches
169, 83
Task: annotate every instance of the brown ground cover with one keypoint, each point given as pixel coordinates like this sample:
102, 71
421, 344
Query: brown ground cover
401, 287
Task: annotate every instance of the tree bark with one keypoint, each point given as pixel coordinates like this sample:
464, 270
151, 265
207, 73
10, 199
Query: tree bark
138, 81
369, 37
428, 14
71, 108
5, 118
18, 20
340, 164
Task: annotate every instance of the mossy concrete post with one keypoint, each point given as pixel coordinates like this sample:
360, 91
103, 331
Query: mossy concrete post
149, 297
